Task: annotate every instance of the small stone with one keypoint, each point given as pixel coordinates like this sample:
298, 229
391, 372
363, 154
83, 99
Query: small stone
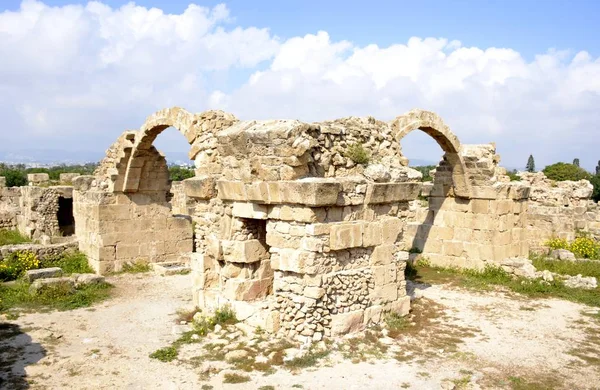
562, 254
236, 354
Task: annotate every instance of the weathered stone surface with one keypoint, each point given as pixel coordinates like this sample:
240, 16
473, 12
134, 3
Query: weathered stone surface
347, 322
562, 254
40, 285
43, 273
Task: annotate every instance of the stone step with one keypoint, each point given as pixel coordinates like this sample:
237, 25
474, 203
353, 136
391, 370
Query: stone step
170, 268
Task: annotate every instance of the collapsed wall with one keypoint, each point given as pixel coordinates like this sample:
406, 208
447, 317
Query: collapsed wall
559, 209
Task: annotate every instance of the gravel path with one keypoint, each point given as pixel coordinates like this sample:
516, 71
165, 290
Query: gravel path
472, 340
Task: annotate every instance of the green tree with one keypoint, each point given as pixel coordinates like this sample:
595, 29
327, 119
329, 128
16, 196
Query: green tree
576, 162
530, 167
14, 177
563, 171
598, 169
595, 180
180, 173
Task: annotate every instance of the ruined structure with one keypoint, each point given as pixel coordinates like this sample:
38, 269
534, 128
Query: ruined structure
559, 209
38, 210
303, 228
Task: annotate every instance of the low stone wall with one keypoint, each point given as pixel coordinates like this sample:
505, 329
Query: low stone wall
559, 209
41, 251
116, 228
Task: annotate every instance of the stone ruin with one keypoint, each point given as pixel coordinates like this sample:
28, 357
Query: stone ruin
305, 229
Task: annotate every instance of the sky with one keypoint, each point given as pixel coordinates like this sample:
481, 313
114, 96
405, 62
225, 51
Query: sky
524, 74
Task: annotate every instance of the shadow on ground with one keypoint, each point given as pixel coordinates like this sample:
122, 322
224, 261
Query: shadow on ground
16, 352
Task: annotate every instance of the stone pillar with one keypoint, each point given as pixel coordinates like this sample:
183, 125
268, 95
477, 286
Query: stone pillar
329, 261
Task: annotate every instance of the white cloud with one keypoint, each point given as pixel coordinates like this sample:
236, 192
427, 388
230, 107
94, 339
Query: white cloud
94, 71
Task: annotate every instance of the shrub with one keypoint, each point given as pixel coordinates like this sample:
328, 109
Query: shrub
15, 265
14, 177
562, 171
557, 243
357, 153
585, 247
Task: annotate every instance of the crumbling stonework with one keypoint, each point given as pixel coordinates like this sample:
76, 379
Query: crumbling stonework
559, 209
34, 211
485, 229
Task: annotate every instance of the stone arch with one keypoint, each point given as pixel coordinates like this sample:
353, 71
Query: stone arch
143, 149
431, 124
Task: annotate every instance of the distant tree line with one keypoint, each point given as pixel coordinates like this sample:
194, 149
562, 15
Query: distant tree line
16, 174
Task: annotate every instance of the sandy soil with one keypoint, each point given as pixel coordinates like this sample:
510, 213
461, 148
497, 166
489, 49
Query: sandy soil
468, 340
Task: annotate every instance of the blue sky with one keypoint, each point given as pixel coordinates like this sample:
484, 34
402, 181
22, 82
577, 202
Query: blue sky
525, 74
527, 26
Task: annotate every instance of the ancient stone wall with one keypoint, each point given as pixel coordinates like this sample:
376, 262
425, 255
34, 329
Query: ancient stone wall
486, 229
38, 210
559, 209
42, 252
180, 202
296, 236
9, 205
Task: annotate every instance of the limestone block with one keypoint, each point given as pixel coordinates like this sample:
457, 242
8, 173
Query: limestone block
347, 323
480, 206
40, 284
249, 251
392, 192
258, 192
67, 178
318, 229
38, 178
401, 306
43, 273
372, 234
296, 213
232, 190
247, 290
295, 261
125, 251
249, 210
273, 322
213, 247
313, 192
382, 255
346, 235
385, 293
314, 292
277, 240
373, 315
200, 187
453, 248
391, 230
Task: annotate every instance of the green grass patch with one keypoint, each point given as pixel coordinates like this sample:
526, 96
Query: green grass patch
71, 262
308, 360
166, 354
136, 268
222, 316
235, 378
60, 297
492, 277
585, 268
12, 237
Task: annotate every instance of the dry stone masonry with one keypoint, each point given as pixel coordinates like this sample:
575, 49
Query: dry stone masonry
305, 229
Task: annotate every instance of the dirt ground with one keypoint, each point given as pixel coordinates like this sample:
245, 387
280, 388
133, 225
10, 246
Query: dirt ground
460, 339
